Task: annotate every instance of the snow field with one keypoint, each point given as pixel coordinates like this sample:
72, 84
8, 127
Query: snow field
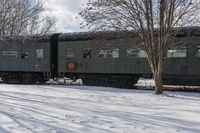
87, 109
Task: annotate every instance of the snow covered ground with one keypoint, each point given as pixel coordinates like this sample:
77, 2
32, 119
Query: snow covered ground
83, 109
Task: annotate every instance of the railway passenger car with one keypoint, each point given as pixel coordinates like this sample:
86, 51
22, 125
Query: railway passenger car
116, 62
25, 59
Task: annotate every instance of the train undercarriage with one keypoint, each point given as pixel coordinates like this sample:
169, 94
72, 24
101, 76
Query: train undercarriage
23, 77
107, 80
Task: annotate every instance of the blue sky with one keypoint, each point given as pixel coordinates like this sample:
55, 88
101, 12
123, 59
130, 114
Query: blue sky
66, 12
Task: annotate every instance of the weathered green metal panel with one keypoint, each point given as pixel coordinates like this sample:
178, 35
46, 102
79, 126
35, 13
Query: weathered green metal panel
123, 65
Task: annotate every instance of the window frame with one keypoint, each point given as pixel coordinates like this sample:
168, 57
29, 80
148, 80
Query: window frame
26, 54
10, 53
39, 53
87, 55
176, 53
138, 54
108, 53
71, 55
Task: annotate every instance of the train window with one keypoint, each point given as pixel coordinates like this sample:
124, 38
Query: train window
134, 53
70, 53
142, 54
9, 53
198, 51
24, 53
115, 53
177, 53
108, 53
39, 53
87, 53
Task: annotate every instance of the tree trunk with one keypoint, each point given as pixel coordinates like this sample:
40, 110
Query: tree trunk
158, 83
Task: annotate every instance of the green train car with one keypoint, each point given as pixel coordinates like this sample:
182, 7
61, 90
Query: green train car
116, 62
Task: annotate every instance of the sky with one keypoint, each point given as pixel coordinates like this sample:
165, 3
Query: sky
66, 13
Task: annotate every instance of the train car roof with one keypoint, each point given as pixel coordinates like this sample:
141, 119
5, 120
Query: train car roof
24, 39
78, 36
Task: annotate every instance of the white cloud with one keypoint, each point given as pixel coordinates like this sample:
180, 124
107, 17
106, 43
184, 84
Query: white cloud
66, 12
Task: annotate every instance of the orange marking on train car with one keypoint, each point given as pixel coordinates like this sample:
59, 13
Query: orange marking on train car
71, 66
37, 65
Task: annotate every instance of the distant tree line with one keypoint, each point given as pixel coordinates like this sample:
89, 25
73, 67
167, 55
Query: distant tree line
24, 17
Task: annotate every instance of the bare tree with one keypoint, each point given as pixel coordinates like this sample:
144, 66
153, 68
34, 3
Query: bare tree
41, 25
20, 17
154, 22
